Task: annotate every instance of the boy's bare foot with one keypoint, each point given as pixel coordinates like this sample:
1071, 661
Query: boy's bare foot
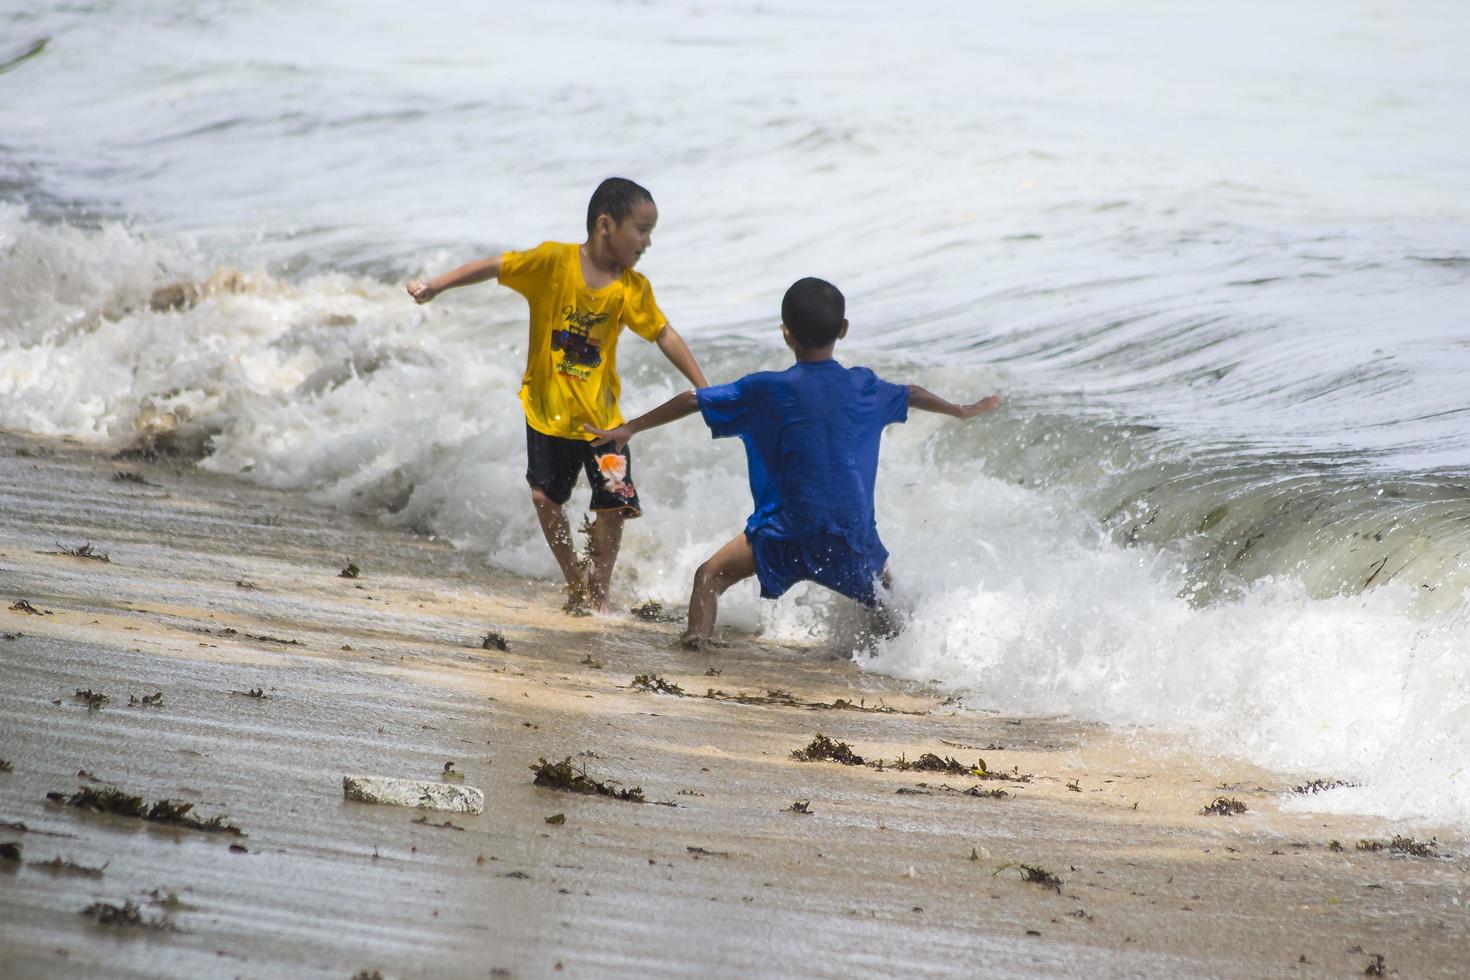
578, 603
696, 643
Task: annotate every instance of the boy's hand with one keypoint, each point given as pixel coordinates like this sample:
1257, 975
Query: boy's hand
421, 291
618, 437
987, 404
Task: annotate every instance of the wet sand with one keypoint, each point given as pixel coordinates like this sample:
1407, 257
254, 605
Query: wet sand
215, 588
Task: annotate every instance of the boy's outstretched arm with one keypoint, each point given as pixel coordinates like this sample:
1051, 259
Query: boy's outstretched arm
680, 355
685, 403
466, 275
927, 401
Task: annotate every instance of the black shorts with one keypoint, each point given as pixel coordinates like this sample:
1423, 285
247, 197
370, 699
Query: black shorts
552, 465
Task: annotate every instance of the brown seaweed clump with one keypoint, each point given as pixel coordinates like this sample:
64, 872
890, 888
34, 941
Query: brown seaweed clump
654, 684
823, 749
177, 814
61, 866
564, 776
1402, 845
92, 699
115, 801
1223, 807
81, 551
1032, 873
1320, 786
128, 914
652, 611
110, 800
786, 699
929, 762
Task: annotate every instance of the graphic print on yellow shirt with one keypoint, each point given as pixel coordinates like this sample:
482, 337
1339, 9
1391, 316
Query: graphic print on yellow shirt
571, 366
580, 352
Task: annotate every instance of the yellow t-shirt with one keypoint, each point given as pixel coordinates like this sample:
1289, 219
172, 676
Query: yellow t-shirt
571, 367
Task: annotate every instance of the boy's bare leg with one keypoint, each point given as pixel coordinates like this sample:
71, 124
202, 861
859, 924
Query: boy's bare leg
559, 537
733, 562
607, 538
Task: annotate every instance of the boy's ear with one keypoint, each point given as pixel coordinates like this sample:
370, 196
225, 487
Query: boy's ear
843, 332
786, 336
604, 224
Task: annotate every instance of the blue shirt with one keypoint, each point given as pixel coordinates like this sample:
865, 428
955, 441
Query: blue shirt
811, 441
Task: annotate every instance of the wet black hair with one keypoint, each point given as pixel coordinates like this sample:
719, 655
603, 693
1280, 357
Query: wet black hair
615, 198
813, 310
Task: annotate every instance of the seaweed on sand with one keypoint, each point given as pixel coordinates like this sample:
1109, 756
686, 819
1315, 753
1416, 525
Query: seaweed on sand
24, 606
653, 611
128, 476
1320, 786
1401, 845
115, 801
1034, 874
146, 701
229, 633
786, 699
80, 551
109, 800
446, 825
351, 571
824, 749
92, 699
10, 851
61, 866
802, 806
929, 762
494, 641
1223, 807
976, 791
6, 765
128, 914
177, 814
572, 779
654, 684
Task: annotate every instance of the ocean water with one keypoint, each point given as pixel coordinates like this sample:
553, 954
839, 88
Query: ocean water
1216, 260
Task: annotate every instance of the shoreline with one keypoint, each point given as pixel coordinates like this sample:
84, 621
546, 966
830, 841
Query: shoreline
214, 587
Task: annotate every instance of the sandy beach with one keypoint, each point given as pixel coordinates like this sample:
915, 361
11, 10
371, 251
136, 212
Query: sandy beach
279, 675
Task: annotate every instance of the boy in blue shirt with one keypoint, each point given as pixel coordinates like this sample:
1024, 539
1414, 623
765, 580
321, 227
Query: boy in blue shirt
811, 437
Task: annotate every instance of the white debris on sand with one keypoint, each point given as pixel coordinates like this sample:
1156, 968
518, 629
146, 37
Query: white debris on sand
413, 792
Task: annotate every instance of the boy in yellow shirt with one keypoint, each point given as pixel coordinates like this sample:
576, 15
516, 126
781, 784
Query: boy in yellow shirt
581, 298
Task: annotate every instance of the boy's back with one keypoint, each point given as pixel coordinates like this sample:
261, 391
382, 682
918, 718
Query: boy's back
811, 434
811, 437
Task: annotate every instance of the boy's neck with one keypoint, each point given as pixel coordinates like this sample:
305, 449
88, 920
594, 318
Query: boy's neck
595, 253
811, 355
